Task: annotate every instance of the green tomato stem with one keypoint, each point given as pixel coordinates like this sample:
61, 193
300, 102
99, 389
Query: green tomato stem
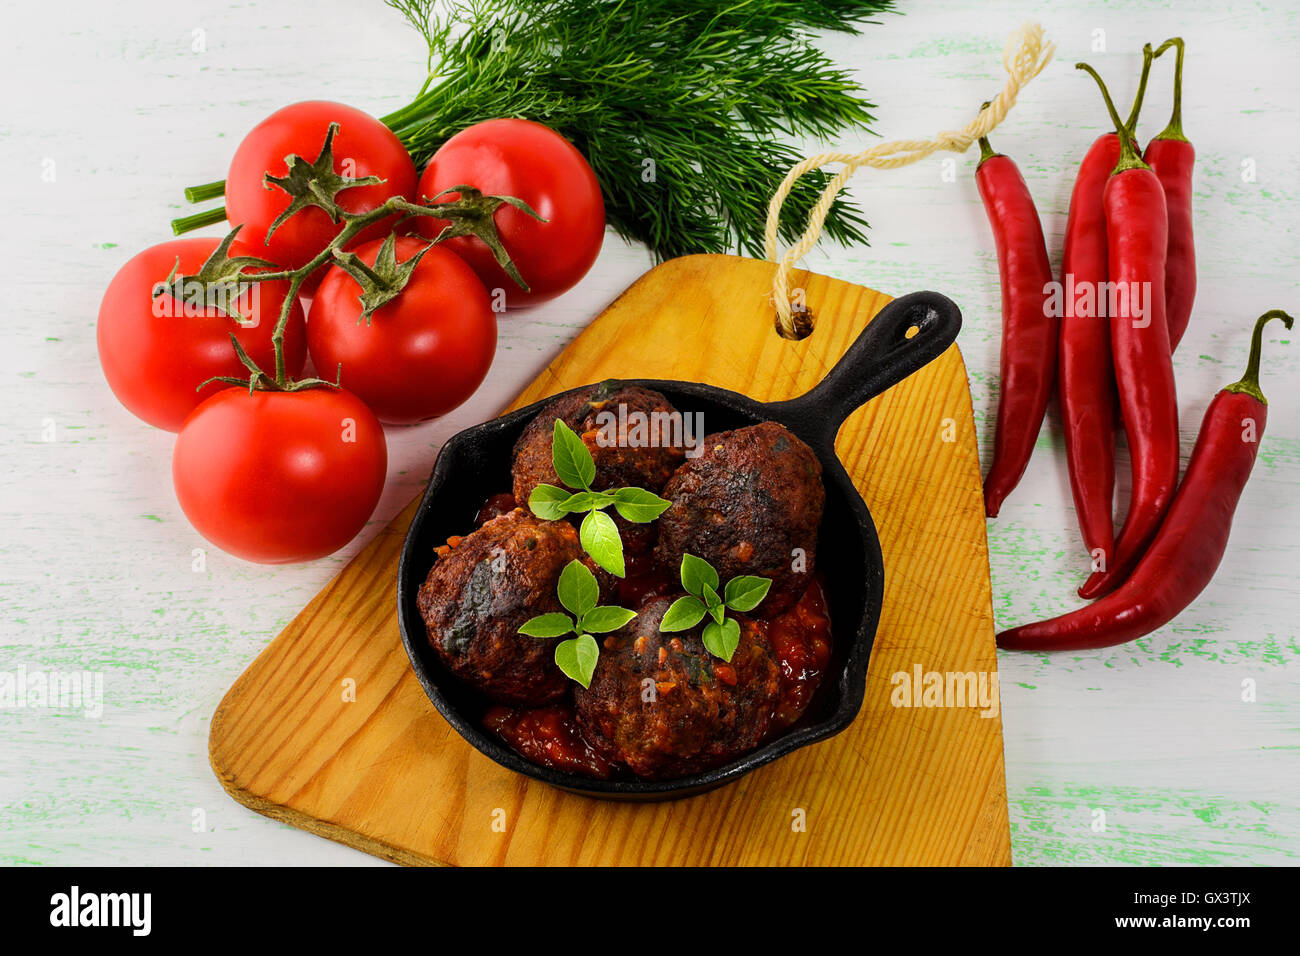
209, 217
205, 192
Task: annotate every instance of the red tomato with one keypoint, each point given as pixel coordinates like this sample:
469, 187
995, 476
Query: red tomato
277, 477
362, 147
156, 352
513, 157
424, 352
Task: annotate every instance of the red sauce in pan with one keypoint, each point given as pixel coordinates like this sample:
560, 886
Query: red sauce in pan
801, 641
548, 736
644, 580
494, 507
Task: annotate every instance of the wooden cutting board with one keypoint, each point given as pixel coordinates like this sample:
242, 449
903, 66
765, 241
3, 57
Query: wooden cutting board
903, 785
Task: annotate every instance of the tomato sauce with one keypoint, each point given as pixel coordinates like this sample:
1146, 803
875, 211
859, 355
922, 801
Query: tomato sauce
494, 507
548, 736
643, 581
801, 641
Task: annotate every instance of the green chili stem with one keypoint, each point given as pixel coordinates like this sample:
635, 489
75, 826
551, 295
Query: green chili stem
1147, 58
1128, 155
986, 151
1174, 130
1249, 383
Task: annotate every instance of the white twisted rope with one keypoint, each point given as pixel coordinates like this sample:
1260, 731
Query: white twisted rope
1024, 57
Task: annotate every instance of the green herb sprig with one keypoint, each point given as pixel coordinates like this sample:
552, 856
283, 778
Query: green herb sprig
685, 110
722, 634
579, 594
681, 107
574, 465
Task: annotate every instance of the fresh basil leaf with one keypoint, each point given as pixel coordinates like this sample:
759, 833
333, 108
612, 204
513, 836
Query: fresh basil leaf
721, 640
638, 505
710, 596
584, 501
578, 589
571, 458
577, 658
696, 572
547, 625
547, 502
745, 591
682, 614
602, 620
600, 539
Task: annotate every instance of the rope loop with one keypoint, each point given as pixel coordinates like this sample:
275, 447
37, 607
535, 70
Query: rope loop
1025, 55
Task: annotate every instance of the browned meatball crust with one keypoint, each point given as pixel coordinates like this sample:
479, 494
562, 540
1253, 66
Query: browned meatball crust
481, 591
618, 464
751, 503
666, 707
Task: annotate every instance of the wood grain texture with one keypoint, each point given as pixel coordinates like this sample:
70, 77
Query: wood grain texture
901, 786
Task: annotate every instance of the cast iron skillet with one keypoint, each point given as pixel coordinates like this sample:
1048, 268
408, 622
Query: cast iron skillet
476, 463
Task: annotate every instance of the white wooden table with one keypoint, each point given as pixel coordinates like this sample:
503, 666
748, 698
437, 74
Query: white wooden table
111, 109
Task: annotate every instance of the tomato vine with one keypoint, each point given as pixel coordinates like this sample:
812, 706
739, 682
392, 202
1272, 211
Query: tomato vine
316, 183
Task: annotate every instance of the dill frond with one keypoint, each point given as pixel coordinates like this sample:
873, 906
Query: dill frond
680, 106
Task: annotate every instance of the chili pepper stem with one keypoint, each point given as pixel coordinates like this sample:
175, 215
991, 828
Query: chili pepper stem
1128, 156
986, 151
1147, 57
1175, 128
1249, 383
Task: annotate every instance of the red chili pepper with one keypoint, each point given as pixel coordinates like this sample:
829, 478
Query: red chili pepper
1193, 537
1087, 372
1172, 157
1029, 328
1137, 235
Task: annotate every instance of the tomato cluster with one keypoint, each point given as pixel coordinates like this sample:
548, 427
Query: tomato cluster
283, 469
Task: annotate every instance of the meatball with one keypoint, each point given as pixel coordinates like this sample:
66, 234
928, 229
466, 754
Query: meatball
750, 503
481, 591
640, 447
665, 707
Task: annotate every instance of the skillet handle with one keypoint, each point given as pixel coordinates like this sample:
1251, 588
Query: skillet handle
880, 358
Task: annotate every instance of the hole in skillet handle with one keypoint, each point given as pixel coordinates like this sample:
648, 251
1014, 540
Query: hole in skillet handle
906, 335
801, 318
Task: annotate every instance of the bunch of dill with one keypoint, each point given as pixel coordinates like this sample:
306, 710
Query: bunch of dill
679, 105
